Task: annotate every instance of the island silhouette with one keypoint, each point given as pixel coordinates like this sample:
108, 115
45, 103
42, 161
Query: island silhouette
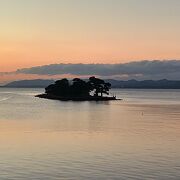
94, 89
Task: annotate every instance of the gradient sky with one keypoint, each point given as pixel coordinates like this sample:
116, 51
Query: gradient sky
37, 32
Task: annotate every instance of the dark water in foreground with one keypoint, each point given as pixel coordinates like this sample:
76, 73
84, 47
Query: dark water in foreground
137, 138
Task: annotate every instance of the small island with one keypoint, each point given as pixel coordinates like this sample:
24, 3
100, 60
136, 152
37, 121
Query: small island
78, 90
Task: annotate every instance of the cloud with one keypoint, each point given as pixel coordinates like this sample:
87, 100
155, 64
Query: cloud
156, 69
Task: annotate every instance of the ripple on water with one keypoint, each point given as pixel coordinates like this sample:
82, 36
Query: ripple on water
41, 139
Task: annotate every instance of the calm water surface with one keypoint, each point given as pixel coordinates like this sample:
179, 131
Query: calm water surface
137, 138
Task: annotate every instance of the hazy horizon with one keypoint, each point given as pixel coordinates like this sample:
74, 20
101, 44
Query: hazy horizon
139, 70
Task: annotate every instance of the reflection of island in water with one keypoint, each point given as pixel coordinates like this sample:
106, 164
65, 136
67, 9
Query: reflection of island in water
78, 90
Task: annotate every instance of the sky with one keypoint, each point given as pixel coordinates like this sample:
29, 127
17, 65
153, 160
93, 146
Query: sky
42, 32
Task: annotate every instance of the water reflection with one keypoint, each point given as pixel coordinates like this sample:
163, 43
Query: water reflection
42, 139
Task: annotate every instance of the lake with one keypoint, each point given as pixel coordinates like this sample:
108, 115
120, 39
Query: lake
137, 138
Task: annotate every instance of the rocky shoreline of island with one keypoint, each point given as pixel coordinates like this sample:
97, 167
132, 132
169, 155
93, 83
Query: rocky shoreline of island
87, 98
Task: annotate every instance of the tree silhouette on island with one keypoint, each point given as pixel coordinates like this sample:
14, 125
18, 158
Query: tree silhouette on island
78, 90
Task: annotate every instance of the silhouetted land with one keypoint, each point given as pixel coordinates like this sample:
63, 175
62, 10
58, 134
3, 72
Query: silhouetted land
35, 83
78, 90
147, 84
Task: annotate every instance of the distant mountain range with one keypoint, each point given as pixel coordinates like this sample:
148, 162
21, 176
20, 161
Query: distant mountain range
37, 83
147, 84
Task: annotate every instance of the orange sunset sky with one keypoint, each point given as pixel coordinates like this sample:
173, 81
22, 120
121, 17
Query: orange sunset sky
39, 32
